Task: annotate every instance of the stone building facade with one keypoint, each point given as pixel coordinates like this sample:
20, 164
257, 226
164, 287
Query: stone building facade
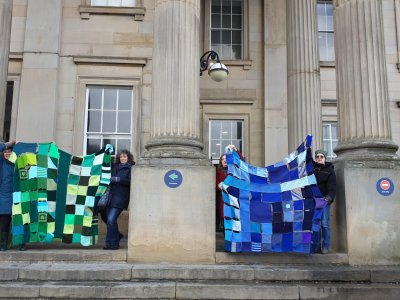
83, 73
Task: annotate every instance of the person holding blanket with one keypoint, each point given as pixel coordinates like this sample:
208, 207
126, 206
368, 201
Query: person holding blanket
119, 197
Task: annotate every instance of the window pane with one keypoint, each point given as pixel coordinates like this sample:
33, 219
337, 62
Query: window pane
322, 46
237, 7
226, 37
329, 17
226, 6
125, 99
216, 6
216, 21
114, 2
325, 131
110, 98
237, 37
226, 21
95, 98
108, 140
123, 144
109, 121
215, 37
226, 51
128, 3
330, 47
334, 132
93, 145
124, 122
94, 121
236, 52
237, 22
215, 129
99, 2
217, 48
239, 130
226, 130
321, 16
215, 148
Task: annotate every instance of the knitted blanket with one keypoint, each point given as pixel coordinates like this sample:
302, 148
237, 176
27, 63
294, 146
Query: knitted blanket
55, 194
272, 209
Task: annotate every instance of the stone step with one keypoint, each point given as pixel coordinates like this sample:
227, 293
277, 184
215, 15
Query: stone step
196, 290
76, 253
126, 272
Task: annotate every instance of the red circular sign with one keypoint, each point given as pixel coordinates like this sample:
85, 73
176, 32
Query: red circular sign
385, 185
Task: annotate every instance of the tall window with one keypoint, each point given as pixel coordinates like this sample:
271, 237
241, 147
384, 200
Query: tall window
227, 28
330, 138
223, 133
123, 3
325, 31
108, 117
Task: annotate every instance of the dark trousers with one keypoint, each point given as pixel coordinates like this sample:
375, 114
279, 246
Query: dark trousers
5, 222
112, 236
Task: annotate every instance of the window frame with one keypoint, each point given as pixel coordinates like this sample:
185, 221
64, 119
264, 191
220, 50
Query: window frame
326, 62
80, 110
102, 133
330, 140
209, 137
245, 117
16, 79
245, 61
86, 9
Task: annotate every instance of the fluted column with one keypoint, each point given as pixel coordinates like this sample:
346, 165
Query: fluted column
5, 35
364, 117
175, 127
304, 92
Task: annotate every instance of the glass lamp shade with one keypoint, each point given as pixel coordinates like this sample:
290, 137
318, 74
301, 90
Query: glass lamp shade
218, 72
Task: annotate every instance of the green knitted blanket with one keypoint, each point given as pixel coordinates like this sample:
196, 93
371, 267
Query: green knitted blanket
55, 194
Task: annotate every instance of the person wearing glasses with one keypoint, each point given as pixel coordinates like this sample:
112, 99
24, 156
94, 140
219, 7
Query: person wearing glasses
326, 179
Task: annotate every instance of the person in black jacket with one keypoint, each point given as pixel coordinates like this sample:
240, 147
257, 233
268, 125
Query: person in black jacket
119, 197
326, 180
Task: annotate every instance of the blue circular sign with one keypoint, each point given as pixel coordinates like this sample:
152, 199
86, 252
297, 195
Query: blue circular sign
173, 179
385, 186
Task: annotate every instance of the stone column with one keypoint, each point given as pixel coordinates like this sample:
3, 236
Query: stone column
304, 87
175, 127
5, 35
363, 107
172, 210
366, 152
40, 69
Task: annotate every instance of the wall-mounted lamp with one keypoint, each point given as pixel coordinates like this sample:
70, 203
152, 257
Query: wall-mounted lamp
216, 70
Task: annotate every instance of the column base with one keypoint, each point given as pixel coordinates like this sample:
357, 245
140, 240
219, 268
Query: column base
172, 225
174, 150
370, 153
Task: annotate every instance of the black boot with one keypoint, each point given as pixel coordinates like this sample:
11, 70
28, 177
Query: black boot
4, 241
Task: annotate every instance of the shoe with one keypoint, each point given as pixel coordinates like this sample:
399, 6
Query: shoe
4, 241
324, 251
22, 247
120, 236
111, 247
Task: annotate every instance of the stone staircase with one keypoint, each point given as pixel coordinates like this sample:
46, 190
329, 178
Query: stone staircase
76, 273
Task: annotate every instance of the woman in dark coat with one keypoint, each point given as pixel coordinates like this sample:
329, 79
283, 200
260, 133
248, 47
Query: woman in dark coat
326, 180
6, 192
119, 197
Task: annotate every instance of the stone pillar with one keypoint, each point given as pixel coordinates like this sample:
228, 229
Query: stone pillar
304, 87
175, 127
366, 152
5, 35
172, 218
39, 77
363, 107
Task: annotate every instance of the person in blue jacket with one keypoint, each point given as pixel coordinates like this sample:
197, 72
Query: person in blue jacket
6, 192
119, 197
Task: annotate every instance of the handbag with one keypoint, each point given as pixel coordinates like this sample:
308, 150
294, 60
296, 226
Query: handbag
104, 200
320, 202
